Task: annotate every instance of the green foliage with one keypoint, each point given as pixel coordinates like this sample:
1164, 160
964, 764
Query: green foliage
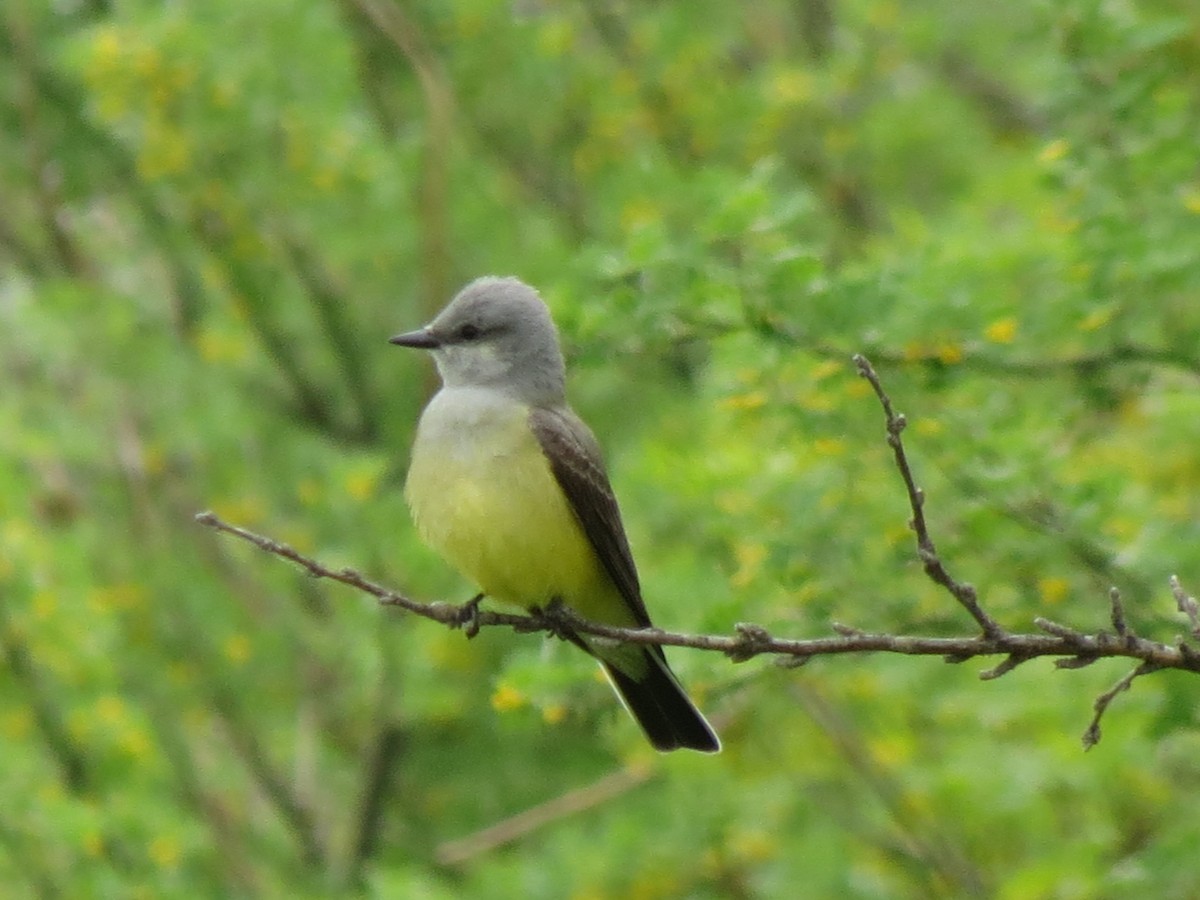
213, 216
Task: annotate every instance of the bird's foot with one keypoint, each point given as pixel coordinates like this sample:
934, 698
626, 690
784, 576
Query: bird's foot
467, 616
556, 618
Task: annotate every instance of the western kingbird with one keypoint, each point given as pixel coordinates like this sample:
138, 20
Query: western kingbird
508, 484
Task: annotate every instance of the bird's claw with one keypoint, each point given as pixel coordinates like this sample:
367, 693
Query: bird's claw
467, 616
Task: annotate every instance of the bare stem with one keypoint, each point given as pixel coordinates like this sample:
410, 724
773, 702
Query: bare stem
934, 567
751, 640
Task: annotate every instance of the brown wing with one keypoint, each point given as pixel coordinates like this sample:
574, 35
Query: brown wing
575, 459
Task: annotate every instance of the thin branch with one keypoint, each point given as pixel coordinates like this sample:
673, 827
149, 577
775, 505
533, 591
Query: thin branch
1003, 109
402, 30
331, 305
249, 746
225, 826
44, 171
48, 714
456, 852
1117, 613
374, 798
749, 640
1091, 737
1186, 604
255, 284
920, 838
934, 567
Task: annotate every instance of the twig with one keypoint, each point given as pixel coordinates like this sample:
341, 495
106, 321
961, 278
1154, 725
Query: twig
751, 640
375, 796
1091, 737
1186, 604
456, 852
934, 567
1117, 613
400, 29
329, 302
298, 815
74, 766
939, 853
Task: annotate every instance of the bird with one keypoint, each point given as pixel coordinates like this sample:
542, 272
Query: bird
509, 486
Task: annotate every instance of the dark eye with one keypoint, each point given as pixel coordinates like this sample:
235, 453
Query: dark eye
468, 332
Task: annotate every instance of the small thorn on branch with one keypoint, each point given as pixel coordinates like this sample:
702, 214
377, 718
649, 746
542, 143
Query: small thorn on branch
1054, 628
1186, 604
1118, 613
1003, 668
1091, 737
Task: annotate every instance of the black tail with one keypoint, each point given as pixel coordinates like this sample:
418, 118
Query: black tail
661, 707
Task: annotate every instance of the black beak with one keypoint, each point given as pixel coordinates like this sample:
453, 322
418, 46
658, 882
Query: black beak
422, 339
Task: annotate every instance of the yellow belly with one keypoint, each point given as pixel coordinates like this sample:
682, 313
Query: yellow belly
484, 497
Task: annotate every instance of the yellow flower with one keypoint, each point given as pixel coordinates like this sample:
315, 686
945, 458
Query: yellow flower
750, 557
506, 698
16, 723
1002, 331
44, 604
791, 87
897, 534
556, 37
1054, 151
829, 446
827, 367
949, 353
753, 845
325, 179
1097, 318
111, 709
240, 510
747, 401
882, 15
362, 482
93, 844
1053, 589
106, 47
165, 852
639, 212
237, 649
308, 491
859, 387
136, 743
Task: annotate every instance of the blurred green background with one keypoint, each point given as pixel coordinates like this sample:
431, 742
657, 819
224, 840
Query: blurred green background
213, 215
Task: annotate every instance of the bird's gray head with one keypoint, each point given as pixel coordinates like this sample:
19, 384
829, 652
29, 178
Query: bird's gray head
496, 333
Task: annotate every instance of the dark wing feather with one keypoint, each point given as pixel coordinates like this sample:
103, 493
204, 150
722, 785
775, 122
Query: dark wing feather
578, 466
